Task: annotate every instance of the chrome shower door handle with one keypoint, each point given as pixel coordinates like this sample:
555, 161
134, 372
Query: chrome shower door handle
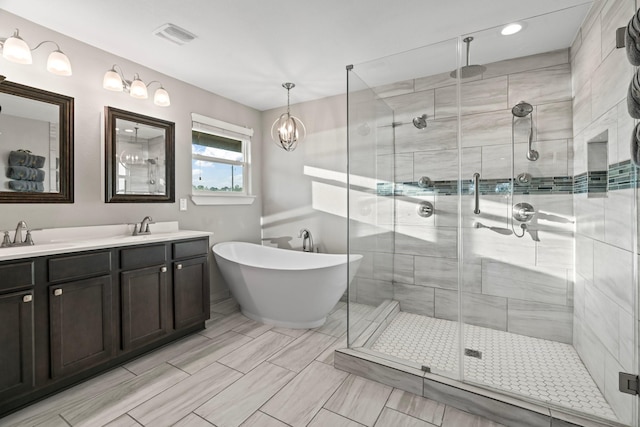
476, 189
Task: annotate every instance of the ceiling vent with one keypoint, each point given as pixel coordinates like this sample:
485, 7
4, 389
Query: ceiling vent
174, 34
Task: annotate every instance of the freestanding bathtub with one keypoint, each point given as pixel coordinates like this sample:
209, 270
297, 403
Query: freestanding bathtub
282, 287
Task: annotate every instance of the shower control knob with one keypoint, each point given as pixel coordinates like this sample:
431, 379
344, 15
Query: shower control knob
424, 182
425, 209
523, 212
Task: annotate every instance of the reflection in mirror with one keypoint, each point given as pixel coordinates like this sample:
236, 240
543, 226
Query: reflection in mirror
139, 158
36, 145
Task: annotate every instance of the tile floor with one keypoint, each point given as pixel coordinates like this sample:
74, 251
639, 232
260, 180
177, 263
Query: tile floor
544, 370
238, 372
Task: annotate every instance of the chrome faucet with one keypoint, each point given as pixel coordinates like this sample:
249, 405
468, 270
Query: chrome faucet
17, 237
144, 226
306, 235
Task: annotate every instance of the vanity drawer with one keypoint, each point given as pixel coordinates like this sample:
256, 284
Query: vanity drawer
143, 256
16, 275
191, 248
79, 266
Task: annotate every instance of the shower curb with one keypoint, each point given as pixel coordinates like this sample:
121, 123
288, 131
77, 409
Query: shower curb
486, 403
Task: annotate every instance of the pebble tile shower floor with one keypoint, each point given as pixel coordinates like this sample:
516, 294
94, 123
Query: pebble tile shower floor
545, 370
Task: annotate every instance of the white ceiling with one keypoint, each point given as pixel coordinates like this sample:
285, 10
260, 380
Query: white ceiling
245, 49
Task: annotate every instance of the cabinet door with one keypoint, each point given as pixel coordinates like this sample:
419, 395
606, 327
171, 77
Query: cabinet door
16, 344
190, 292
80, 324
144, 306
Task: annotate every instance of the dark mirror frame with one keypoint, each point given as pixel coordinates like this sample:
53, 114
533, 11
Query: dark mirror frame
111, 172
65, 106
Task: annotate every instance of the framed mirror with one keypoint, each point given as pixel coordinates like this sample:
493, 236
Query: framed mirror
140, 165
36, 145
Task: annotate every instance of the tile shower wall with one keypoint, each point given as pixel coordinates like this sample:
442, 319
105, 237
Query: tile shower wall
510, 284
604, 287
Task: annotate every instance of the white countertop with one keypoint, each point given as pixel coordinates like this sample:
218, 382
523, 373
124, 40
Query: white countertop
50, 241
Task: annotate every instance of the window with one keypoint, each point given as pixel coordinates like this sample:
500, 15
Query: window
220, 166
217, 163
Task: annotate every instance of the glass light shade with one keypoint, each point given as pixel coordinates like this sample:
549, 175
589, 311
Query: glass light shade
16, 50
287, 131
161, 98
138, 89
59, 64
112, 81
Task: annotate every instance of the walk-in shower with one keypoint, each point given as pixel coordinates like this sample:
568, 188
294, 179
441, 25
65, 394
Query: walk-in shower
446, 294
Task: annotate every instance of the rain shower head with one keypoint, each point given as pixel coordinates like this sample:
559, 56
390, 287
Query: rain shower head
420, 122
522, 109
468, 70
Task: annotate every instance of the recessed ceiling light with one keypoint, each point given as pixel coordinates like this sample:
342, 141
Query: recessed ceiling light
129, 130
511, 29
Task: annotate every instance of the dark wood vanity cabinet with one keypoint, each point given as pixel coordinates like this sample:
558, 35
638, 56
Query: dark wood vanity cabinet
80, 312
190, 273
16, 329
64, 318
144, 306
80, 325
16, 344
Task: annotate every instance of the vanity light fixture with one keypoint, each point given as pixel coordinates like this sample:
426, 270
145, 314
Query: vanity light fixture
288, 130
15, 49
114, 80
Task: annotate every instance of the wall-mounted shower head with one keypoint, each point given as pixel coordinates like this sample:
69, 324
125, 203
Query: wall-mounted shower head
522, 109
420, 122
468, 70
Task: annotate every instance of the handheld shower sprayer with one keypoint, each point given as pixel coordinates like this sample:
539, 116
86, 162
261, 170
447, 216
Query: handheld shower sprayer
523, 109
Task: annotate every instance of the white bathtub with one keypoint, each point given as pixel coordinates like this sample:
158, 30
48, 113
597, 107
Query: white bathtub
282, 287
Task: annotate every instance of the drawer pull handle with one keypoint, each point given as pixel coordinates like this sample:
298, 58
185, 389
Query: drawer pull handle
57, 292
163, 270
27, 298
179, 266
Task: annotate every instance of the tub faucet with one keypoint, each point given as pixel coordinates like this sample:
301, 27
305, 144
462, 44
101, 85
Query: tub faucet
144, 226
306, 235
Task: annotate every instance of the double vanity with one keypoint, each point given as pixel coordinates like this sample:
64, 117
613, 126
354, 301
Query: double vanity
82, 300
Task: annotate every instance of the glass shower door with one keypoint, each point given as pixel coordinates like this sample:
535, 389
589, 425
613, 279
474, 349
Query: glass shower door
549, 257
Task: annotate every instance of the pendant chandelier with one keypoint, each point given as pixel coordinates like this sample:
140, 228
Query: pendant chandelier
288, 130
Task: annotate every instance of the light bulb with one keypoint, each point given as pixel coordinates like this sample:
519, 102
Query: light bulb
59, 64
16, 50
161, 98
112, 81
511, 29
138, 89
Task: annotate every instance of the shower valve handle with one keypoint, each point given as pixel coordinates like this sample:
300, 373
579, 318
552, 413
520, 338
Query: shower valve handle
476, 189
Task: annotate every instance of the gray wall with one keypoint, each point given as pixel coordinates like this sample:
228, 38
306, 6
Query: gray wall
89, 65
305, 188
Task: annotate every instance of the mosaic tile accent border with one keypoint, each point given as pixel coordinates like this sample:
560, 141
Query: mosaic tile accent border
622, 175
619, 176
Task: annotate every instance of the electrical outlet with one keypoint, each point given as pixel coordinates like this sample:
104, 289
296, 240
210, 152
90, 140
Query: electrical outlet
183, 204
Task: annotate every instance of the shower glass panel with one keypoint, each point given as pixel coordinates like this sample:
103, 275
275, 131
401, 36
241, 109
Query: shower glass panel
371, 210
404, 207
500, 240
